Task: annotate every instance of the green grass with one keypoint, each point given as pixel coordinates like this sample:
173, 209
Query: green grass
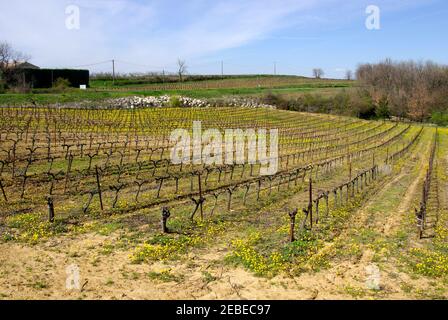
164, 276
13, 99
240, 81
145, 80
39, 285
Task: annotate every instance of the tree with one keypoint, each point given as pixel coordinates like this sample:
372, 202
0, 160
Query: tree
382, 110
61, 84
419, 102
411, 89
318, 73
9, 60
349, 75
181, 69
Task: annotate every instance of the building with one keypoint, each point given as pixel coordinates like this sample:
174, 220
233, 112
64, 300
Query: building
30, 75
21, 65
26, 65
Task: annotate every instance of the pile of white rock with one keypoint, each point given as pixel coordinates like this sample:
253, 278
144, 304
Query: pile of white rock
181, 101
194, 103
156, 102
139, 102
247, 103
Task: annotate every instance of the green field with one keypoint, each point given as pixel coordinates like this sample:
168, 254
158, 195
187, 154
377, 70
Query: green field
251, 86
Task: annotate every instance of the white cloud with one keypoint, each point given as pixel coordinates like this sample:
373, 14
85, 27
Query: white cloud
38, 28
153, 33
222, 25
143, 33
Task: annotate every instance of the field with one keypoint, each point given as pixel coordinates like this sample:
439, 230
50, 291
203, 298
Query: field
344, 216
281, 82
239, 86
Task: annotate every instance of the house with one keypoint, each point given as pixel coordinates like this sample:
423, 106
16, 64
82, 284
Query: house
21, 65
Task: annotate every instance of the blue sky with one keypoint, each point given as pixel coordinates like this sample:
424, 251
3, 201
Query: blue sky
249, 36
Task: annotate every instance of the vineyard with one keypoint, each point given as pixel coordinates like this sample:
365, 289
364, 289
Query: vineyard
97, 188
231, 83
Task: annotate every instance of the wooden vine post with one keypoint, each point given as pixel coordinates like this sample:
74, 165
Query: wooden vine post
99, 188
67, 175
258, 190
3, 191
50, 209
310, 203
165, 215
419, 217
292, 217
387, 155
350, 170
200, 196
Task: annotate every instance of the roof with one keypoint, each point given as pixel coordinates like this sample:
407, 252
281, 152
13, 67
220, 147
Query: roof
22, 65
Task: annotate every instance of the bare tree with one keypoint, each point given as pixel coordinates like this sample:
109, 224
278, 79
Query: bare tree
412, 89
181, 69
318, 73
349, 75
9, 60
5, 54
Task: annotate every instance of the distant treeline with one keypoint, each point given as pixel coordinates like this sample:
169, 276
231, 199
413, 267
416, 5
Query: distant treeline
415, 90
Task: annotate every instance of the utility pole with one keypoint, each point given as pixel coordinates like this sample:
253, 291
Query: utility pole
113, 71
222, 69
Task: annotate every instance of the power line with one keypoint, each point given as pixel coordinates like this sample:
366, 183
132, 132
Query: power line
163, 69
113, 71
143, 65
91, 64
